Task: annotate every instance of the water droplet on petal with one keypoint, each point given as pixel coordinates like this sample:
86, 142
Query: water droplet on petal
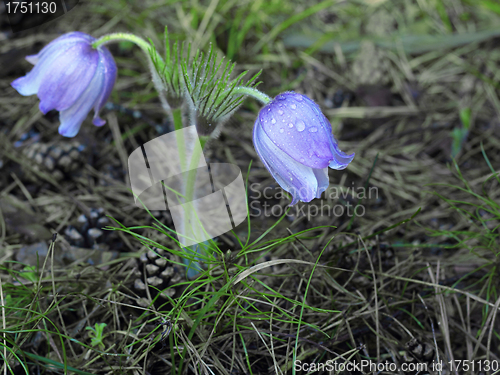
291, 178
280, 111
302, 160
273, 120
282, 130
300, 125
290, 125
293, 106
314, 129
298, 97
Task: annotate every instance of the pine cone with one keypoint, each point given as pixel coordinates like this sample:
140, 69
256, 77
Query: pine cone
88, 233
157, 269
112, 172
419, 351
163, 217
59, 159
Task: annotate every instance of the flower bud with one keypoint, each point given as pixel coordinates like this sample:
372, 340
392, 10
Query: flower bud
71, 77
294, 141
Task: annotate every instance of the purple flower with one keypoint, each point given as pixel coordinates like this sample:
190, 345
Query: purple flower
295, 142
71, 77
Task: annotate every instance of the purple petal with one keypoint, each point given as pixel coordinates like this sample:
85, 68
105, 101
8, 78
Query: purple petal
66, 79
340, 159
109, 69
71, 118
30, 83
299, 128
72, 77
297, 179
69, 38
32, 59
323, 180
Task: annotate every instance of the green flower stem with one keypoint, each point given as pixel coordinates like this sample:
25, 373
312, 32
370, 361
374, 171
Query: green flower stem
181, 144
177, 116
198, 152
188, 190
116, 37
254, 93
191, 216
189, 193
188, 185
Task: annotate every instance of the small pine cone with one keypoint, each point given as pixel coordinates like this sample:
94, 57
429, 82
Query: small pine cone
87, 232
163, 217
59, 159
157, 269
419, 351
112, 172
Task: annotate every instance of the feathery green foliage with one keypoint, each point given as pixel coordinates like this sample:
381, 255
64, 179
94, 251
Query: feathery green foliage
169, 70
210, 90
202, 79
97, 334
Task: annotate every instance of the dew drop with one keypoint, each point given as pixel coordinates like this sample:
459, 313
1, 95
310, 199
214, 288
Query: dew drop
293, 106
290, 125
300, 125
314, 129
280, 111
291, 178
302, 160
273, 120
282, 130
299, 98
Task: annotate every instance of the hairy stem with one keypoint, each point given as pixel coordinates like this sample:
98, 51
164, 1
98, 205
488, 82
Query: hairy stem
254, 93
116, 37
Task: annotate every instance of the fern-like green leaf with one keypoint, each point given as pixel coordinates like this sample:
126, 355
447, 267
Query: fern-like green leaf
202, 79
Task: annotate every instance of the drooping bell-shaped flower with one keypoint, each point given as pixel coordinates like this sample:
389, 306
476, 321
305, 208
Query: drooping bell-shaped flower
72, 77
295, 142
